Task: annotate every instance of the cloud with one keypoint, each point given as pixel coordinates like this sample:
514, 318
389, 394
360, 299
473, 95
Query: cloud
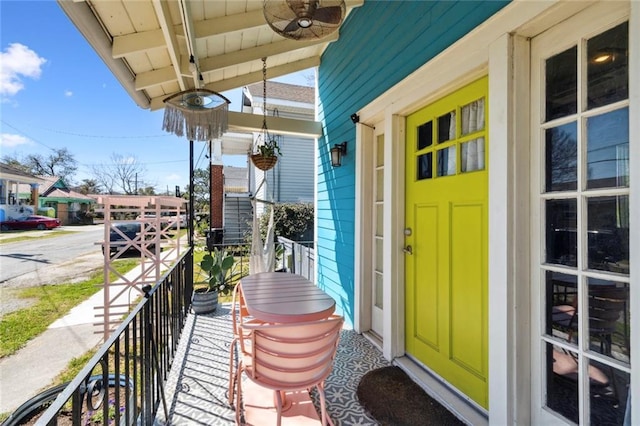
68, 93
18, 61
172, 177
8, 140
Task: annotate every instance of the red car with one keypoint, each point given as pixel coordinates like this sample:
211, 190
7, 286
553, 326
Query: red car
30, 222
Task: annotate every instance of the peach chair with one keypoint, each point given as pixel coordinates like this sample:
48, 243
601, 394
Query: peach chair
239, 316
290, 357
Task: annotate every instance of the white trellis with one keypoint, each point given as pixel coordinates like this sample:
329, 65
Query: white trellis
157, 243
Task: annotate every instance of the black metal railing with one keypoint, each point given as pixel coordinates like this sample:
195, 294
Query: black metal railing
124, 381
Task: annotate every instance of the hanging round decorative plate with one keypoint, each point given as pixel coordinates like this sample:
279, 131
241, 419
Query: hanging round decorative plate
264, 163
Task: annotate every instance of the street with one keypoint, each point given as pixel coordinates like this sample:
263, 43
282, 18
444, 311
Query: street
49, 260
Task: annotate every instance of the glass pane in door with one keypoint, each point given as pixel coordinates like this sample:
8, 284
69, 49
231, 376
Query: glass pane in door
562, 381
608, 150
609, 396
561, 313
609, 330
562, 232
561, 157
561, 84
607, 67
608, 233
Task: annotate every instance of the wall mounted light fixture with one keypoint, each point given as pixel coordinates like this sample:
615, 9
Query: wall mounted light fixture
337, 152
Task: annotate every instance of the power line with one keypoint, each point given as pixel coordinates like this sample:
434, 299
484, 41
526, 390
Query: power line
25, 134
62, 132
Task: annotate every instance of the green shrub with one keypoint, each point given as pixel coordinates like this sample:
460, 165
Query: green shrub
291, 220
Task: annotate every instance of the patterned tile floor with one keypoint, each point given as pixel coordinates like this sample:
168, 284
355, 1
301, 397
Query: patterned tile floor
196, 390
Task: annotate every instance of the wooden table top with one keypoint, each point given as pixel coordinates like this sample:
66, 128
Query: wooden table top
284, 298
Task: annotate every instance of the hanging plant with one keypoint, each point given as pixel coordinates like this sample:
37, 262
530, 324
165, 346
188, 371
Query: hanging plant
265, 155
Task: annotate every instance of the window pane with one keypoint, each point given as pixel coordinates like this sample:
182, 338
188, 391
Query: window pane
609, 327
425, 166
380, 151
425, 135
562, 380
561, 84
562, 306
379, 220
472, 155
380, 185
379, 254
608, 233
447, 127
608, 150
608, 69
472, 117
447, 161
561, 155
561, 235
609, 393
379, 302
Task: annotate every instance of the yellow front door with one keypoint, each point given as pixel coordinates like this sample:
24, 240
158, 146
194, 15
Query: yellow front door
446, 239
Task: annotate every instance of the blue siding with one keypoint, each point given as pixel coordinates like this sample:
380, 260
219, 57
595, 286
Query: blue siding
381, 44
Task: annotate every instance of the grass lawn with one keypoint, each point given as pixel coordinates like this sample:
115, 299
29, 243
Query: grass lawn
15, 236
51, 303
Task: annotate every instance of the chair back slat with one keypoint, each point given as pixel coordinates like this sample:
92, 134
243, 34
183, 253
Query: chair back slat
294, 356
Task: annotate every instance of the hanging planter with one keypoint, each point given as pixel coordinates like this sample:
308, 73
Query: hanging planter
266, 154
264, 163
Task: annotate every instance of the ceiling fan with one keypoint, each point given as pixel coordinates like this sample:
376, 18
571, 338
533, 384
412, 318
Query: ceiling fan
304, 19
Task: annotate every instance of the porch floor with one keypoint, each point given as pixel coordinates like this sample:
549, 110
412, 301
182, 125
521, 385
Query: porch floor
196, 389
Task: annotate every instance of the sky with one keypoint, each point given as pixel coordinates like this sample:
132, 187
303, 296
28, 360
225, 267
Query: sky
56, 92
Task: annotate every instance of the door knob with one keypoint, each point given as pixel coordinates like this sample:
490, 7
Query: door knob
408, 250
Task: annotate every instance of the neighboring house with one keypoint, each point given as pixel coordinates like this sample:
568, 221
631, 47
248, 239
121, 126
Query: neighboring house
15, 204
292, 178
493, 153
70, 207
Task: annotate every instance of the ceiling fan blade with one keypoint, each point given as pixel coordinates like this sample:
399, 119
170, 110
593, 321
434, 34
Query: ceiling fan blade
329, 15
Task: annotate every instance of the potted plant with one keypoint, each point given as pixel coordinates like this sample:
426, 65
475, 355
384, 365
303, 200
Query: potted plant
266, 155
219, 265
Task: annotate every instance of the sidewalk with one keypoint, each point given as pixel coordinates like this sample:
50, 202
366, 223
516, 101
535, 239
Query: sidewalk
33, 368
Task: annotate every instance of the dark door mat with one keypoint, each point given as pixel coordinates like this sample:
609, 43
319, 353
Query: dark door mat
393, 399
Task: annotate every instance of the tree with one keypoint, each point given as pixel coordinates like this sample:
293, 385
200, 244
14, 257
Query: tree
124, 174
13, 161
147, 190
201, 191
89, 186
60, 163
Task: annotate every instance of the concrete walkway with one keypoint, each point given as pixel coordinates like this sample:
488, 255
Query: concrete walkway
32, 369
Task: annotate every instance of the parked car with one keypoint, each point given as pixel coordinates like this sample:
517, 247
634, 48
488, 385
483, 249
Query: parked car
30, 222
167, 219
121, 233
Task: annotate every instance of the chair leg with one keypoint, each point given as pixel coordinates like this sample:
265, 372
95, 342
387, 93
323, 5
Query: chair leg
326, 420
232, 371
279, 406
238, 381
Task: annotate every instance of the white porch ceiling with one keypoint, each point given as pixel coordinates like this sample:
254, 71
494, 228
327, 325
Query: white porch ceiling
147, 45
